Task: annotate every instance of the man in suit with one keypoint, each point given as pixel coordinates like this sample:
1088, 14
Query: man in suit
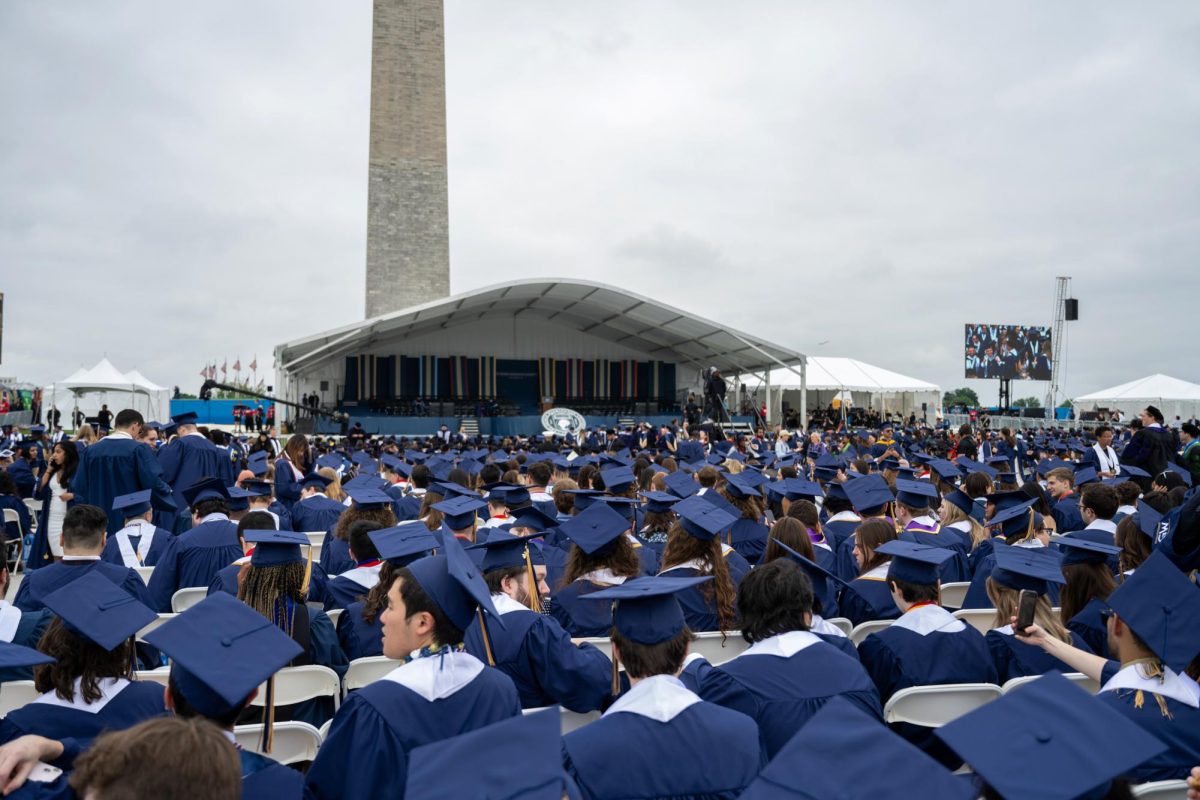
1152, 447
118, 464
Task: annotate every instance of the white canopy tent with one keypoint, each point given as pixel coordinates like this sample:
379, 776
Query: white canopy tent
860, 384
1172, 396
104, 384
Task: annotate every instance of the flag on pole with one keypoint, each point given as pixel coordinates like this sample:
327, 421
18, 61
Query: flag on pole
224, 364
204, 372
254, 364
237, 365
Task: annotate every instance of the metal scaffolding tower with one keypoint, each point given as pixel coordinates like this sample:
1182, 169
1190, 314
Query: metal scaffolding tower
1061, 293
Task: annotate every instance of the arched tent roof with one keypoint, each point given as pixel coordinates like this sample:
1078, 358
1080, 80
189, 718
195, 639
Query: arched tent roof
1150, 389
621, 317
138, 379
834, 373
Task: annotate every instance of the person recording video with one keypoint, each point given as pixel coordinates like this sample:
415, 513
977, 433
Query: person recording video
714, 396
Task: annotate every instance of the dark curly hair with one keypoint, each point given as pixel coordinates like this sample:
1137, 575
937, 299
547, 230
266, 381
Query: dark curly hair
773, 599
79, 658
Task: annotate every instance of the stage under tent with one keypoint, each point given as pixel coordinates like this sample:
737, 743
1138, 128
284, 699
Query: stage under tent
500, 355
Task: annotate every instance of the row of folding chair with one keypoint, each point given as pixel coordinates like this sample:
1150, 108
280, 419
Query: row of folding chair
716, 647
981, 619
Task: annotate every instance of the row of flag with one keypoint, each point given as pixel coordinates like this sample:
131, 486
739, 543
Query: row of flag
210, 370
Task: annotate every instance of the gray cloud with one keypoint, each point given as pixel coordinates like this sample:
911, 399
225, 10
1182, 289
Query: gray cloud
181, 183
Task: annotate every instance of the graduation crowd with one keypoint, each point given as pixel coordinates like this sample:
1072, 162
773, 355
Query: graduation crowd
484, 566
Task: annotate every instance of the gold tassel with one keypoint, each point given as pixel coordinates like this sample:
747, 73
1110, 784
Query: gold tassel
535, 599
616, 672
307, 573
1162, 706
487, 643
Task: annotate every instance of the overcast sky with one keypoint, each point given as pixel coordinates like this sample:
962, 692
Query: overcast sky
187, 182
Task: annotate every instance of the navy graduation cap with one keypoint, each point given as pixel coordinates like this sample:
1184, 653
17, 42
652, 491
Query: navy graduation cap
916, 494
868, 493
221, 650
914, 563
1077, 550
703, 519
205, 489
257, 487
272, 548
595, 527
133, 504
459, 512
453, 582
315, 480
739, 487
946, 470
368, 497
510, 494
960, 500
1033, 568
585, 497
185, 418
534, 519
14, 655
1049, 740
98, 610
1162, 607
681, 484
1085, 475
617, 479
971, 465
399, 544
646, 610
1147, 519
659, 502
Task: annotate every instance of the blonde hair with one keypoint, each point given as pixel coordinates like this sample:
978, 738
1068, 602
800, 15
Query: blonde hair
954, 514
1006, 601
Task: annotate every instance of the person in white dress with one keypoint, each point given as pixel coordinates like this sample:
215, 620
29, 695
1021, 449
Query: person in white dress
54, 489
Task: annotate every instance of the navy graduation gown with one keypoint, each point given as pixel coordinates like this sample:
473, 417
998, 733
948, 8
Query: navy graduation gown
287, 487
30, 628
407, 508
366, 752
1015, 659
194, 559
161, 542
42, 582
749, 538
579, 616
316, 513
544, 665
1180, 731
344, 589
38, 554
129, 702
625, 754
699, 612
358, 637
335, 555
22, 477
866, 599
839, 530
1066, 513
264, 777
184, 462
952, 570
782, 682
647, 556
118, 465
283, 517
845, 566
1089, 626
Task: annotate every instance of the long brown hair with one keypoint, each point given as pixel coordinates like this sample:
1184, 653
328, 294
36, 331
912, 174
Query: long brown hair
792, 532
376, 599
1084, 582
78, 658
619, 557
750, 507
384, 516
296, 450
1135, 546
431, 516
870, 534
720, 591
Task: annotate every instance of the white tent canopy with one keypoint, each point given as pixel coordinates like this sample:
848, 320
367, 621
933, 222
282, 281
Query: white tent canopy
830, 377
104, 384
1172, 396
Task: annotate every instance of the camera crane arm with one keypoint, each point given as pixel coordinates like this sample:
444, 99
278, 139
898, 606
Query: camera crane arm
207, 389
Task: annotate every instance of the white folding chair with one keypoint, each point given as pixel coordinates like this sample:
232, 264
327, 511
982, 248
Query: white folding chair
980, 619
291, 742
14, 584
161, 675
145, 573
953, 594
297, 684
152, 625
14, 694
315, 538
187, 597
334, 614
842, 623
571, 720
710, 645
864, 629
367, 670
14, 548
324, 730
1084, 682
35, 508
1161, 790
934, 706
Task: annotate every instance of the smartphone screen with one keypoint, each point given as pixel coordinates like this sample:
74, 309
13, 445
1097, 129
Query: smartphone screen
1028, 603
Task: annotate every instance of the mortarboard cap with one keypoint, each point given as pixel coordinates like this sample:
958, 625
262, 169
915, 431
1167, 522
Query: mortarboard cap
1078, 550
617, 479
946, 470
842, 740
504, 551
703, 519
453, 582
1162, 607
458, 513
1147, 519
315, 480
659, 502
914, 563
272, 547
450, 489
368, 497
185, 418
14, 655
971, 465
98, 610
1066, 742
868, 493
1133, 472
1085, 475
916, 494
533, 518
399, 544
681, 484
739, 486
595, 527
1033, 568
815, 571
509, 494
257, 488
205, 489
960, 500
584, 497
134, 504
646, 610
221, 650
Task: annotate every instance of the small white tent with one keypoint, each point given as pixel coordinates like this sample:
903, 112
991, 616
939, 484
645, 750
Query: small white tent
104, 384
869, 386
1172, 396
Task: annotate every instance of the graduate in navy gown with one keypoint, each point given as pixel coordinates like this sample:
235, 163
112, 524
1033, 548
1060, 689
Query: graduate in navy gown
1089, 583
695, 548
262, 499
926, 644
748, 536
139, 543
368, 502
1050, 739
1021, 527
872, 498
221, 651
789, 672
360, 626
545, 665
290, 469
275, 585
839, 517
647, 743
600, 556
119, 464
353, 584
1017, 569
439, 692
868, 597
83, 542
187, 460
913, 502
198, 554
89, 690
18, 627
315, 511
791, 534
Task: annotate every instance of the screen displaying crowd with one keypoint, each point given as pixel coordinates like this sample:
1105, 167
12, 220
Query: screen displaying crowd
1008, 351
